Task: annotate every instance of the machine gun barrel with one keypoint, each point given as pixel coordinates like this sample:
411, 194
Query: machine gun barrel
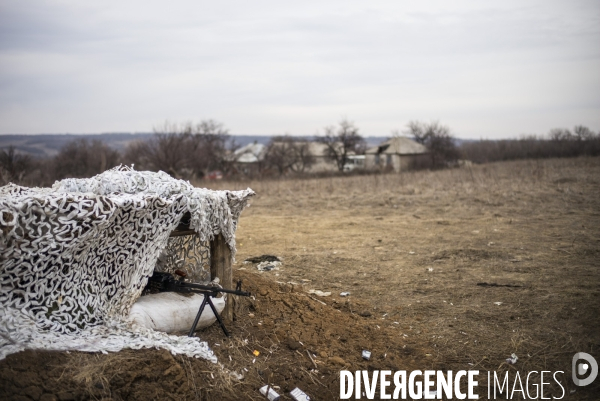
190, 287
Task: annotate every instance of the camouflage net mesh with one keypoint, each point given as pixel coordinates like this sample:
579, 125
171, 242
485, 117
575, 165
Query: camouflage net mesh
189, 254
75, 257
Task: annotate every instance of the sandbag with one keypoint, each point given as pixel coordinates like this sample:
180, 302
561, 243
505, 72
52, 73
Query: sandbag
172, 312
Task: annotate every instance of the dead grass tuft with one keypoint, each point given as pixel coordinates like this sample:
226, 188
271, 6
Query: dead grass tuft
95, 372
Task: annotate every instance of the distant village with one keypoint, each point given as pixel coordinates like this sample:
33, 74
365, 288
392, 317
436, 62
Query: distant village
396, 154
206, 151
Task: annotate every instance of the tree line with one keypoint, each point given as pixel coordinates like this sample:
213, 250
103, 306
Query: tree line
192, 151
185, 151
559, 142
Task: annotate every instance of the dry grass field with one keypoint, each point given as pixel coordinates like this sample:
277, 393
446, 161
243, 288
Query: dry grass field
419, 248
450, 270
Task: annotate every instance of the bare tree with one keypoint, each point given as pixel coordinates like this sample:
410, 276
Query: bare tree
341, 141
82, 158
183, 150
288, 154
168, 150
583, 133
560, 134
437, 139
13, 165
212, 143
303, 157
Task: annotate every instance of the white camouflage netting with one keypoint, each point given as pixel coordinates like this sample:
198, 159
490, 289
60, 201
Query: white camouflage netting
75, 257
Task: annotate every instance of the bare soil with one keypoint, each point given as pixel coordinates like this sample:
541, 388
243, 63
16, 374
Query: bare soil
449, 270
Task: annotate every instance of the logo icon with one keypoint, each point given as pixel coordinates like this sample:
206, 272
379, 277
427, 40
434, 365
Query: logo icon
590, 366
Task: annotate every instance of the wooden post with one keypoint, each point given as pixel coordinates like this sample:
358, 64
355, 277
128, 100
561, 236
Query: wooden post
220, 266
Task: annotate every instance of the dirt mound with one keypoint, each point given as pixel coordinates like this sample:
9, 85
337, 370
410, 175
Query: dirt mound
301, 341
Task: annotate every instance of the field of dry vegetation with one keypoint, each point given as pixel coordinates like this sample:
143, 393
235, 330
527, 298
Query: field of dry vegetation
426, 250
452, 270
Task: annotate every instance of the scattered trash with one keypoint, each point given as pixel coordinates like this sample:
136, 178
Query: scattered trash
319, 293
269, 393
430, 269
411, 253
344, 294
299, 395
263, 258
237, 376
513, 359
268, 266
498, 303
256, 353
366, 354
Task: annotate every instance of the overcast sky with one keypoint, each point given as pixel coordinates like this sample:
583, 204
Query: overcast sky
487, 69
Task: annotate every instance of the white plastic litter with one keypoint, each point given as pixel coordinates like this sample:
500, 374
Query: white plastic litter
268, 266
320, 293
513, 359
76, 257
271, 395
299, 395
172, 312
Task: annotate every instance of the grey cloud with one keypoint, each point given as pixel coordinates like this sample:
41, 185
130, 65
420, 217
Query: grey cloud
382, 62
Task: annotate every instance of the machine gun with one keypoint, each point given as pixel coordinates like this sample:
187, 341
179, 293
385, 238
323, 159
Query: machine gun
165, 282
